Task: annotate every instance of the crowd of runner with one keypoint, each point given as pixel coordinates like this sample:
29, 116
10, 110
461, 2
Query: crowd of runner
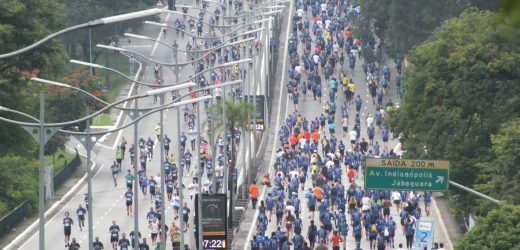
314, 189
318, 166
198, 44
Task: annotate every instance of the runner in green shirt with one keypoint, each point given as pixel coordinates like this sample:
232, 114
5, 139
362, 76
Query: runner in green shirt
129, 179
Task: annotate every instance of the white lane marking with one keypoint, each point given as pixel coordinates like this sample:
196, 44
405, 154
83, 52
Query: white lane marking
105, 146
60, 212
118, 138
136, 46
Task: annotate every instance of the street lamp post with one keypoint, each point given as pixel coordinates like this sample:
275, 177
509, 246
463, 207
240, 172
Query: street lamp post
93, 23
41, 134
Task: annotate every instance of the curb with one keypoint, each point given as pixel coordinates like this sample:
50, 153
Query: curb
449, 244
26, 234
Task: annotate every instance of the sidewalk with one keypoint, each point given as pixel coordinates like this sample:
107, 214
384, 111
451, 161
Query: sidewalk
58, 195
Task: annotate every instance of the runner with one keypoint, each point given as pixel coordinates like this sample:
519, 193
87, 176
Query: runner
67, 228
129, 196
74, 245
81, 217
124, 243
115, 171
114, 234
98, 245
129, 177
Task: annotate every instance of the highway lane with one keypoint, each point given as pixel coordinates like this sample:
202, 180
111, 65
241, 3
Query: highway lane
311, 109
107, 201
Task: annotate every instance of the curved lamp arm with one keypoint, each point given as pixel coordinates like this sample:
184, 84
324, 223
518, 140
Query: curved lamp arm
155, 85
98, 22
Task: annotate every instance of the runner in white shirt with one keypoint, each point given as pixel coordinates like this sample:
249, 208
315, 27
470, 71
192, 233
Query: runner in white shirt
396, 198
335, 47
154, 229
299, 12
294, 174
353, 137
193, 187
327, 23
370, 120
302, 142
298, 69
316, 58
366, 203
344, 124
205, 187
291, 209
323, 7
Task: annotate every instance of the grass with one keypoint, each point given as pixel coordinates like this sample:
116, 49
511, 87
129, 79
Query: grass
116, 82
60, 157
102, 120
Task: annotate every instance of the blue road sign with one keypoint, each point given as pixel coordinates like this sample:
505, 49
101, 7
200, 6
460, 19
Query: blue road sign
424, 235
235, 174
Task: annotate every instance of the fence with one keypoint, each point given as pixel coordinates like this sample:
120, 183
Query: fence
23, 210
13, 218
67, 171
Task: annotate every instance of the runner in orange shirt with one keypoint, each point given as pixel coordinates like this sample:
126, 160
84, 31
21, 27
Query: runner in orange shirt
293, 140
315, 136
253, 193
318, 192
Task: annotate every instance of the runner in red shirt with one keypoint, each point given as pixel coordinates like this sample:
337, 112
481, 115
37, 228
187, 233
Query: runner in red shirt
351, 174
336, 239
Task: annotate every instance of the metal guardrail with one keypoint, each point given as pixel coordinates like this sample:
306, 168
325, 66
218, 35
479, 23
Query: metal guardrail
67, 171
14, 217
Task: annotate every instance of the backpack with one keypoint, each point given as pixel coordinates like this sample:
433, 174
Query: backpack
312, 232
380, 241
297, 225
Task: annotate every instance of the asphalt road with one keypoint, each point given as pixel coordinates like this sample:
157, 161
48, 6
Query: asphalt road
311, 109
108, 201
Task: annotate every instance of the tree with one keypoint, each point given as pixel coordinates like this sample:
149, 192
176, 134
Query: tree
499, 230
461, 87
500, 176
19, 180
391, 20
81, 11
236, 115
511, 8
21, 24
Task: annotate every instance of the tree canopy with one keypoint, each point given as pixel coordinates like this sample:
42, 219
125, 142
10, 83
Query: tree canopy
402, 24
462, 87
21, 24
500, 175
499, 230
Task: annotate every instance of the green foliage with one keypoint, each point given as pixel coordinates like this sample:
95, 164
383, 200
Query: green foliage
21, 24
500, 175
499, 230
511, 8
236, 113
462, 86
81, 11
20, 178
402, 24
